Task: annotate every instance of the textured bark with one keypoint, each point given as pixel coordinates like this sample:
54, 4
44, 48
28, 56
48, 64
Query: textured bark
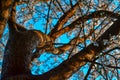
18, 53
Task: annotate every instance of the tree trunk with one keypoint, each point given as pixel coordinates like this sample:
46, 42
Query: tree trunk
18, 53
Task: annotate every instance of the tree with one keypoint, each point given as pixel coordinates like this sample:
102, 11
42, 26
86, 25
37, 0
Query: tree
87, 20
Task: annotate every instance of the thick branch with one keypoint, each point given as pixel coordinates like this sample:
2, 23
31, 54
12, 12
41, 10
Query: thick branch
63, 19
97, 14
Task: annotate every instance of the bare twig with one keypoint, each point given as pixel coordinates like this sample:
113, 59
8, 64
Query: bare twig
49, 6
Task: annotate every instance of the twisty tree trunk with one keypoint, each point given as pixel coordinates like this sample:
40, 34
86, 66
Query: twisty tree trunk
20, 46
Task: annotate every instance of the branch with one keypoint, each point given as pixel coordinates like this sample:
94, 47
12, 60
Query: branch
97, 14
63, 19
60, 6
48, 15
88, 72
103, 64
